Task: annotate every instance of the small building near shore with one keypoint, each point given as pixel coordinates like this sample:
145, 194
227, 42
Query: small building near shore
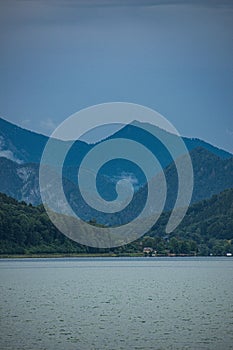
149, 251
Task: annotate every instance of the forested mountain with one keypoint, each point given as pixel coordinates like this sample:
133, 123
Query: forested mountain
206, 229
21, 152
24, 228
208, 223
20, 145
24, 146
212, 175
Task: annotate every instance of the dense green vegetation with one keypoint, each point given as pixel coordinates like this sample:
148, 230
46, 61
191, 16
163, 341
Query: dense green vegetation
27, 229
206, 229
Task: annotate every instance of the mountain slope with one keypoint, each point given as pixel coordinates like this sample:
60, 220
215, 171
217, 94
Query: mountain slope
213, 169
20, 181
212, 175
24, 146
207, 228
24, 228
208, 223
134, 131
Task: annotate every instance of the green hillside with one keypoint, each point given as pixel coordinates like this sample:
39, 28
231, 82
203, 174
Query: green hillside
207, 224
206, 229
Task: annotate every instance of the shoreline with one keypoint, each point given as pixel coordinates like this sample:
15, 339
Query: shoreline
59, 255
98, 255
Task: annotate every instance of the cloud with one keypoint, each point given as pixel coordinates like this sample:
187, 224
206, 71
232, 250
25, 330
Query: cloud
6, 153
9, 155
130, 177
140, 3
229, 132
26, 122
48, 125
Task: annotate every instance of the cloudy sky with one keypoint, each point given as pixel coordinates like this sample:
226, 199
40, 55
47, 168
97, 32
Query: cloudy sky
176, 57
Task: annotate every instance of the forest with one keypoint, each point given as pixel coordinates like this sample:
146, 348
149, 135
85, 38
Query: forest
207, 229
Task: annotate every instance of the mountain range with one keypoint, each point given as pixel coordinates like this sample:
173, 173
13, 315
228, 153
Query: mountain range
21, 151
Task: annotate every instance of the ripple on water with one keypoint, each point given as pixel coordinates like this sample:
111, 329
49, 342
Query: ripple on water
139, 305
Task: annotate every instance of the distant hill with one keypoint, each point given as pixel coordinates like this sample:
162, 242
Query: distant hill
208, 223
24, 146
20, 181
134, 131
207, 228
212, 175
24, 228
20, 153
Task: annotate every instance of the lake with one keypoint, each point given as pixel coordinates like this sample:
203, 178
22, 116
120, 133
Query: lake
116, 303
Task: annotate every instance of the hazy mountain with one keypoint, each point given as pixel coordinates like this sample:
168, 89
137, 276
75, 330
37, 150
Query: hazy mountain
20, 181
21, 152
134, 131
24, 146
212, 175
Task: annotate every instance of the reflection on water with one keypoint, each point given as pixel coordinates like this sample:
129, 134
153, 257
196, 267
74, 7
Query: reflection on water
113, 303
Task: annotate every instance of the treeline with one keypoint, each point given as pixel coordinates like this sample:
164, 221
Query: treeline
27, 229
206, 229
207, 224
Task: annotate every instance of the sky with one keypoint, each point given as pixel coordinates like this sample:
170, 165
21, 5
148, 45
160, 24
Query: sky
176, 57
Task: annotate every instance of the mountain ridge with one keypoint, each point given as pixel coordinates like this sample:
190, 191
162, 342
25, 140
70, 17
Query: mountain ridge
27, 146
213, 172
212, 175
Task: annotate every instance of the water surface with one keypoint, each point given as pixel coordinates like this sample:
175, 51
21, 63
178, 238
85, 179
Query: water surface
116, 303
